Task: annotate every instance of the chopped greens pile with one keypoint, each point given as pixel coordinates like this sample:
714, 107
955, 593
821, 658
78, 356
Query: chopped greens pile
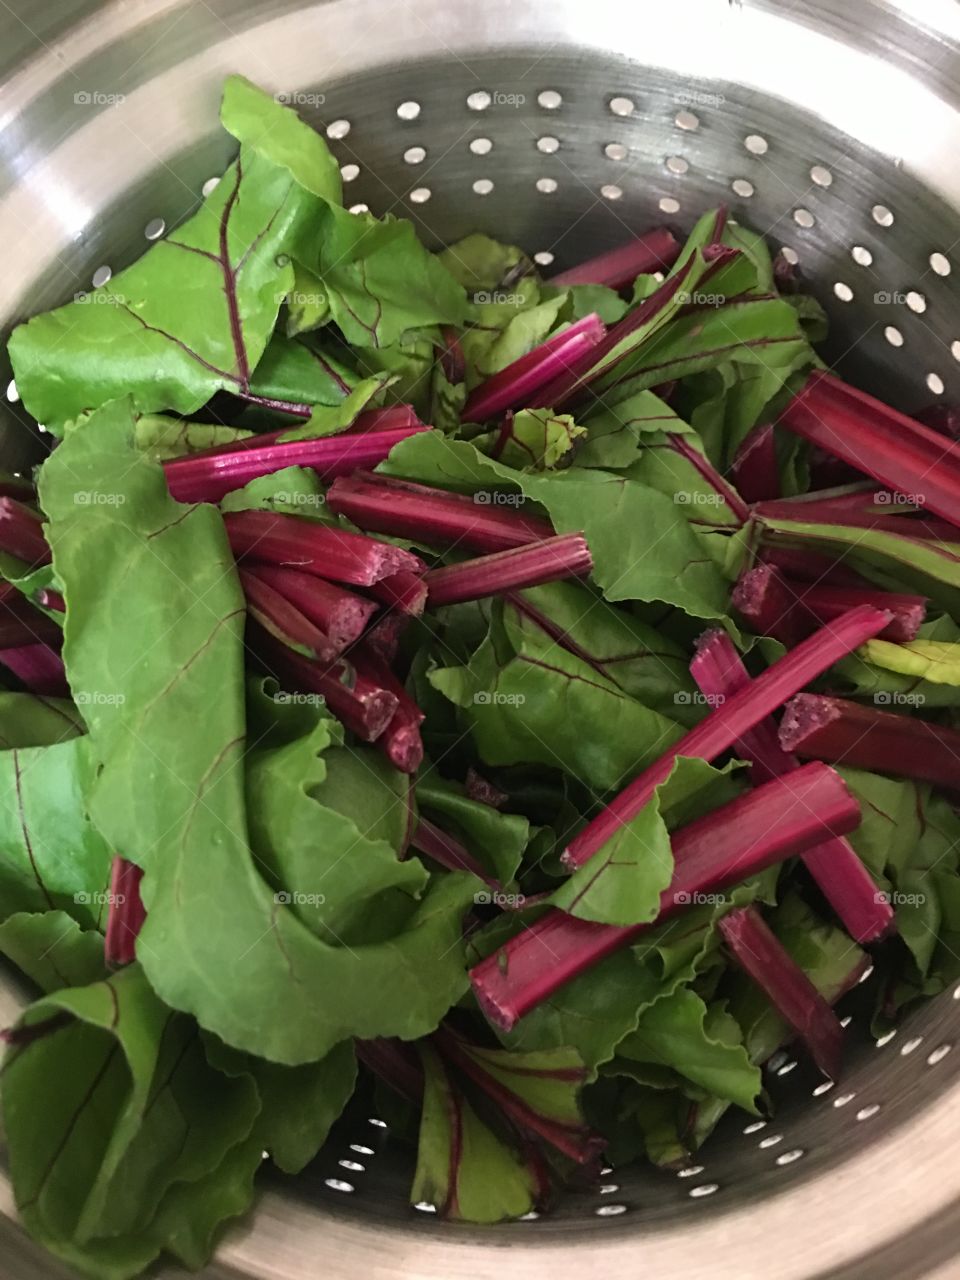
519, 706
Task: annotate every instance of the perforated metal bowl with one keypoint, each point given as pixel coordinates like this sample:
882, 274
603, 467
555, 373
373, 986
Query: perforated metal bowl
832, 126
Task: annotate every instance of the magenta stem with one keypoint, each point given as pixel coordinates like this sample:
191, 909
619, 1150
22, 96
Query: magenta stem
739, 840
655, 250
565, 556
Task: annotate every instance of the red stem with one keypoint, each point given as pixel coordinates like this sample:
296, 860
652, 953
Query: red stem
284, 620
515, 386
21, 533
739, 840
766, 961
39, 669
126, 914
208, 477
719, 730
811, 566
564, 556
869, 435
395, 1063
655, 250
338, 613
359, 703
403, 509
835, 866
329, 553
400, 742
405, 592
702, 465
754, 469
449, 853
576, 1142
821, 728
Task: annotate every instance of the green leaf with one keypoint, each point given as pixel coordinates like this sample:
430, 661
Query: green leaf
616, 434
935, 660
643, 661
298, 1104
52, 950
497, 839
108, 1102
480, 263
533, 440
308, 306
299, 371
27, 720
294, 490
268, 129
622, 883
162, 438
328, 420
541, 704
888, 688
51, 856
463, 1168
327, 865
922, 565
703, 1043
642, 546
191, 317
380, 280
587, 299
149, 568
487, 350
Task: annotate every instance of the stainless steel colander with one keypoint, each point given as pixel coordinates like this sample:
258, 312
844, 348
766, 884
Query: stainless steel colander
833, 126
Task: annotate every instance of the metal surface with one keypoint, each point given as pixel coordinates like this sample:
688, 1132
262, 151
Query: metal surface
832, 127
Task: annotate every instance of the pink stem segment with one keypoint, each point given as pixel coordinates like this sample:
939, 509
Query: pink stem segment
424, 514
317, 548
207, 477
655, 250
341, 615
762, 956
565, 556
843, 879
364, 706
821, 728
513, 387
862, 431
21, 533
718, 731
400, 741
39, 669
739, 840
126, 914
